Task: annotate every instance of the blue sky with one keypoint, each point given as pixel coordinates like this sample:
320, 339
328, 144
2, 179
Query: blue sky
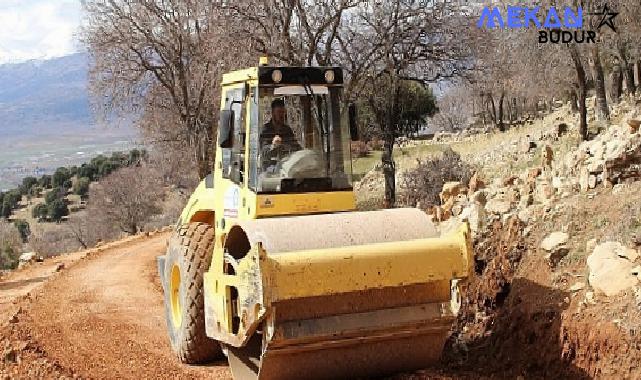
36, 29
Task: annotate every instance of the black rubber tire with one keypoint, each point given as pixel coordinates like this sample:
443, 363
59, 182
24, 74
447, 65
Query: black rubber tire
190, 248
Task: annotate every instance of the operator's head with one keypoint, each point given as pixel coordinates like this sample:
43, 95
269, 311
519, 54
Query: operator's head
278, 111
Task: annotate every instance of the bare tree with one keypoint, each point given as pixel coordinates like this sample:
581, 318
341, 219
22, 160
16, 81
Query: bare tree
127, 199
454, 112
295, 32
391, 43
161, 61
48, 239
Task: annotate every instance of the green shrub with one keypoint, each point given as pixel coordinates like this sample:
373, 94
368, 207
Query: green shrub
81, 187
57, 209
40, 212
23, 228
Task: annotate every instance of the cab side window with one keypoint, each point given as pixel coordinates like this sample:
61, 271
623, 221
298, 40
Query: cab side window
233, 159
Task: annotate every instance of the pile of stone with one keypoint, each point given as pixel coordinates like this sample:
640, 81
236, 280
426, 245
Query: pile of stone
613, 157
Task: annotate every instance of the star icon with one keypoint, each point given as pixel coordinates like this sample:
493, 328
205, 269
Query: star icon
607, 17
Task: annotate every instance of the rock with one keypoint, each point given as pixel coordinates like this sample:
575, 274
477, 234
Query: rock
496, 206
544, 191
610, 273
554, 246
475, 184
27, 257
527, 145
480, 197
589, 298
547, 157
576, 287
451, 190
447, 208
591, 181
525, 215
475, 215
14, 318
10, 355
618, 188
584, 179
554, 240
510, 181
60, 267
590, 244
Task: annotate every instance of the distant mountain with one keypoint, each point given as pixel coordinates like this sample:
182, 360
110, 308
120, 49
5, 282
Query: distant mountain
46, 119
45, 96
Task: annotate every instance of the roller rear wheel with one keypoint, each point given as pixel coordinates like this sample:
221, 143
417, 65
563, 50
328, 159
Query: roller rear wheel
188, 257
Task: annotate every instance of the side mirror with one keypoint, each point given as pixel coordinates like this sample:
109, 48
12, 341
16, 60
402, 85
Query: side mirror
225, 128
353, 126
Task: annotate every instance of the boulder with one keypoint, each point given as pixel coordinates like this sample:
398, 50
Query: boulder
480, 197
451, 190
27, 257
577, 286
555, 247
611, 272
525, 215
543, 192
497, 206
475, 215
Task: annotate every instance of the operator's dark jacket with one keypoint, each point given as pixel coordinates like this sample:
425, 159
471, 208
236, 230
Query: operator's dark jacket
289, 143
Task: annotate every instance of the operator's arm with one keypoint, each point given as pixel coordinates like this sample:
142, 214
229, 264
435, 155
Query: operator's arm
267, 151
290, 140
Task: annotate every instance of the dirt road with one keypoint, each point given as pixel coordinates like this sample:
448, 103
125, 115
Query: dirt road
101, 317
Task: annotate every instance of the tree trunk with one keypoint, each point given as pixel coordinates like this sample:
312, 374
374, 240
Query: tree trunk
389, 172
573, 101
582, 91
626, 68
482, 111
616, 83
500, 124
602, 111
491, 104
389, 166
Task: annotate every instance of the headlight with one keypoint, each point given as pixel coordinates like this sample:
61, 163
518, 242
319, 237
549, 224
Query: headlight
329, 76
277, 76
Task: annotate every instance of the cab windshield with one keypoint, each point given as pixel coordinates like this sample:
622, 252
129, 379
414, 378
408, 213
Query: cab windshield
303, 142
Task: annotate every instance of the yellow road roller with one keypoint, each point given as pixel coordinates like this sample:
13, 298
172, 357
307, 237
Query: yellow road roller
271, 266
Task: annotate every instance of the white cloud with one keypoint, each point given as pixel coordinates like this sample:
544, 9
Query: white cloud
32, 29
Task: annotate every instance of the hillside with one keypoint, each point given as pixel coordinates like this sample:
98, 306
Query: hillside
46, 119
37, 97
